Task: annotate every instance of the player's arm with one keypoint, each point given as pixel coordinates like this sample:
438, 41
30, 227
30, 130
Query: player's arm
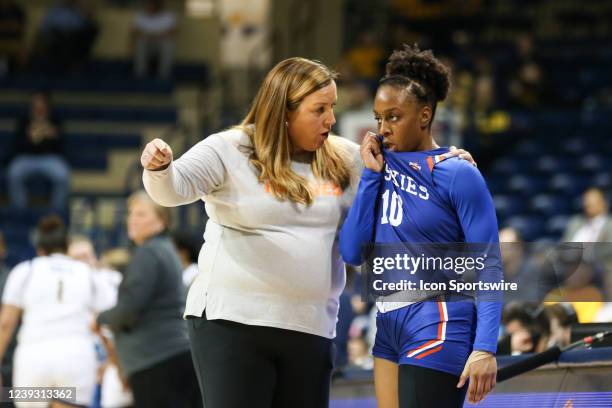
12, 304
476, 213
358, 227
9, 318
135, 292
198, 172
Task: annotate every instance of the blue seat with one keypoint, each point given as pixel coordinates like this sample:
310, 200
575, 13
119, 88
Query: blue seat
591, 163
576, 146
525, 185
569, 184
549, 164
508, 206
550, 205
506, 166
603, 180
530, 227
557, 225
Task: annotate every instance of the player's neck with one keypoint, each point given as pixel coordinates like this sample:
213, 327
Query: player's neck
427, 143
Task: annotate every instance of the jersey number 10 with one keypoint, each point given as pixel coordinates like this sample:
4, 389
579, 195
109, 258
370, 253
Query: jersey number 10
394, 214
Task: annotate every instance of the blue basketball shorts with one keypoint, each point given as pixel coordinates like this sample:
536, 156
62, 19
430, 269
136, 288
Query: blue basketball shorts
433, 334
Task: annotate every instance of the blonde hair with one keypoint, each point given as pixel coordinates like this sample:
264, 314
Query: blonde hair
282, 91
163, 213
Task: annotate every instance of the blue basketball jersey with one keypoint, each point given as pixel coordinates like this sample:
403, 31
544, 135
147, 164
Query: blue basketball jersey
426, 197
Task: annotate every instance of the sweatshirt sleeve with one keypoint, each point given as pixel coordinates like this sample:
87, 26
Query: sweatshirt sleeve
358, 227
476, 213
200, 171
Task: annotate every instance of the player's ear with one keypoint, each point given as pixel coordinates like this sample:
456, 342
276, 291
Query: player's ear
425, 116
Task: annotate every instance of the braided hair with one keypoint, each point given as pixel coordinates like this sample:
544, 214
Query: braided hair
420, 73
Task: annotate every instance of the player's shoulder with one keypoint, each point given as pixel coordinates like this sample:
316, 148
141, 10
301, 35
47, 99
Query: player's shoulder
21, 268
455, 166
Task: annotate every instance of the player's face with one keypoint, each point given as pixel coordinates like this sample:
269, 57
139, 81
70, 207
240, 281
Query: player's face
142, 221
310, 124
402, 121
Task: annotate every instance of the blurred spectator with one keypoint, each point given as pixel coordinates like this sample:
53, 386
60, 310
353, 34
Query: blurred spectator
366, 57
39, 152
12, 27
56, 297
594, 225
561, 317
359, 353
114, 389
526, 331
150, 335
153, 35
579, 289
116, 259
81, 248
519, 268
66, 37
188, 250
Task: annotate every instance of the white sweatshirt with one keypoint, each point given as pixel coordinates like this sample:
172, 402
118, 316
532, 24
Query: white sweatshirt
264, 262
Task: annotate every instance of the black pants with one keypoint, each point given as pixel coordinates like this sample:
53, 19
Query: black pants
421, 387
260, 367
171, 383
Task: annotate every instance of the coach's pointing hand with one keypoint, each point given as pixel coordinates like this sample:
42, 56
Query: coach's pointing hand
156, 155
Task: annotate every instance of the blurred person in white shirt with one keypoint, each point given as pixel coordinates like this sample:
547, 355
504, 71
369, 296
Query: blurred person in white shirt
153, 34
56, 298
115, 391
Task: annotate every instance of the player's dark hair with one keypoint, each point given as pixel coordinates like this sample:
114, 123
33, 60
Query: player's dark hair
421, 73
50, 235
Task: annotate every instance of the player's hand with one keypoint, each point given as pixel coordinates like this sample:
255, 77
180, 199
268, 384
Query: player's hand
371, 153
463, 154
156, 155
481, 369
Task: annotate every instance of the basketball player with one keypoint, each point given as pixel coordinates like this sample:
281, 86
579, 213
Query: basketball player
56, 298
412, 191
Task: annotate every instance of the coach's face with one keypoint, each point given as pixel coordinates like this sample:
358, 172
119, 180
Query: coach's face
142, 221
310, 124
402, 121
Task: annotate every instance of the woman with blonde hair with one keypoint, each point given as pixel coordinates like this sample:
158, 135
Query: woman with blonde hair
262, 312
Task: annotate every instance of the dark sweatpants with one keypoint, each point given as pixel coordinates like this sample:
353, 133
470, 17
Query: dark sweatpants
241, 366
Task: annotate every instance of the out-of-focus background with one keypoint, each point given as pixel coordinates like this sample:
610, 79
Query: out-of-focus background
531, 91
84, 85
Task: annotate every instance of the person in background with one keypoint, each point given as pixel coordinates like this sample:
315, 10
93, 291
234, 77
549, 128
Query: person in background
595, 224
412, 191
12, 27
150, 335
526, 329
66, 36
561, 316
114, 388
56, 297
39, 152
153, 36
81, 248
188, 249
